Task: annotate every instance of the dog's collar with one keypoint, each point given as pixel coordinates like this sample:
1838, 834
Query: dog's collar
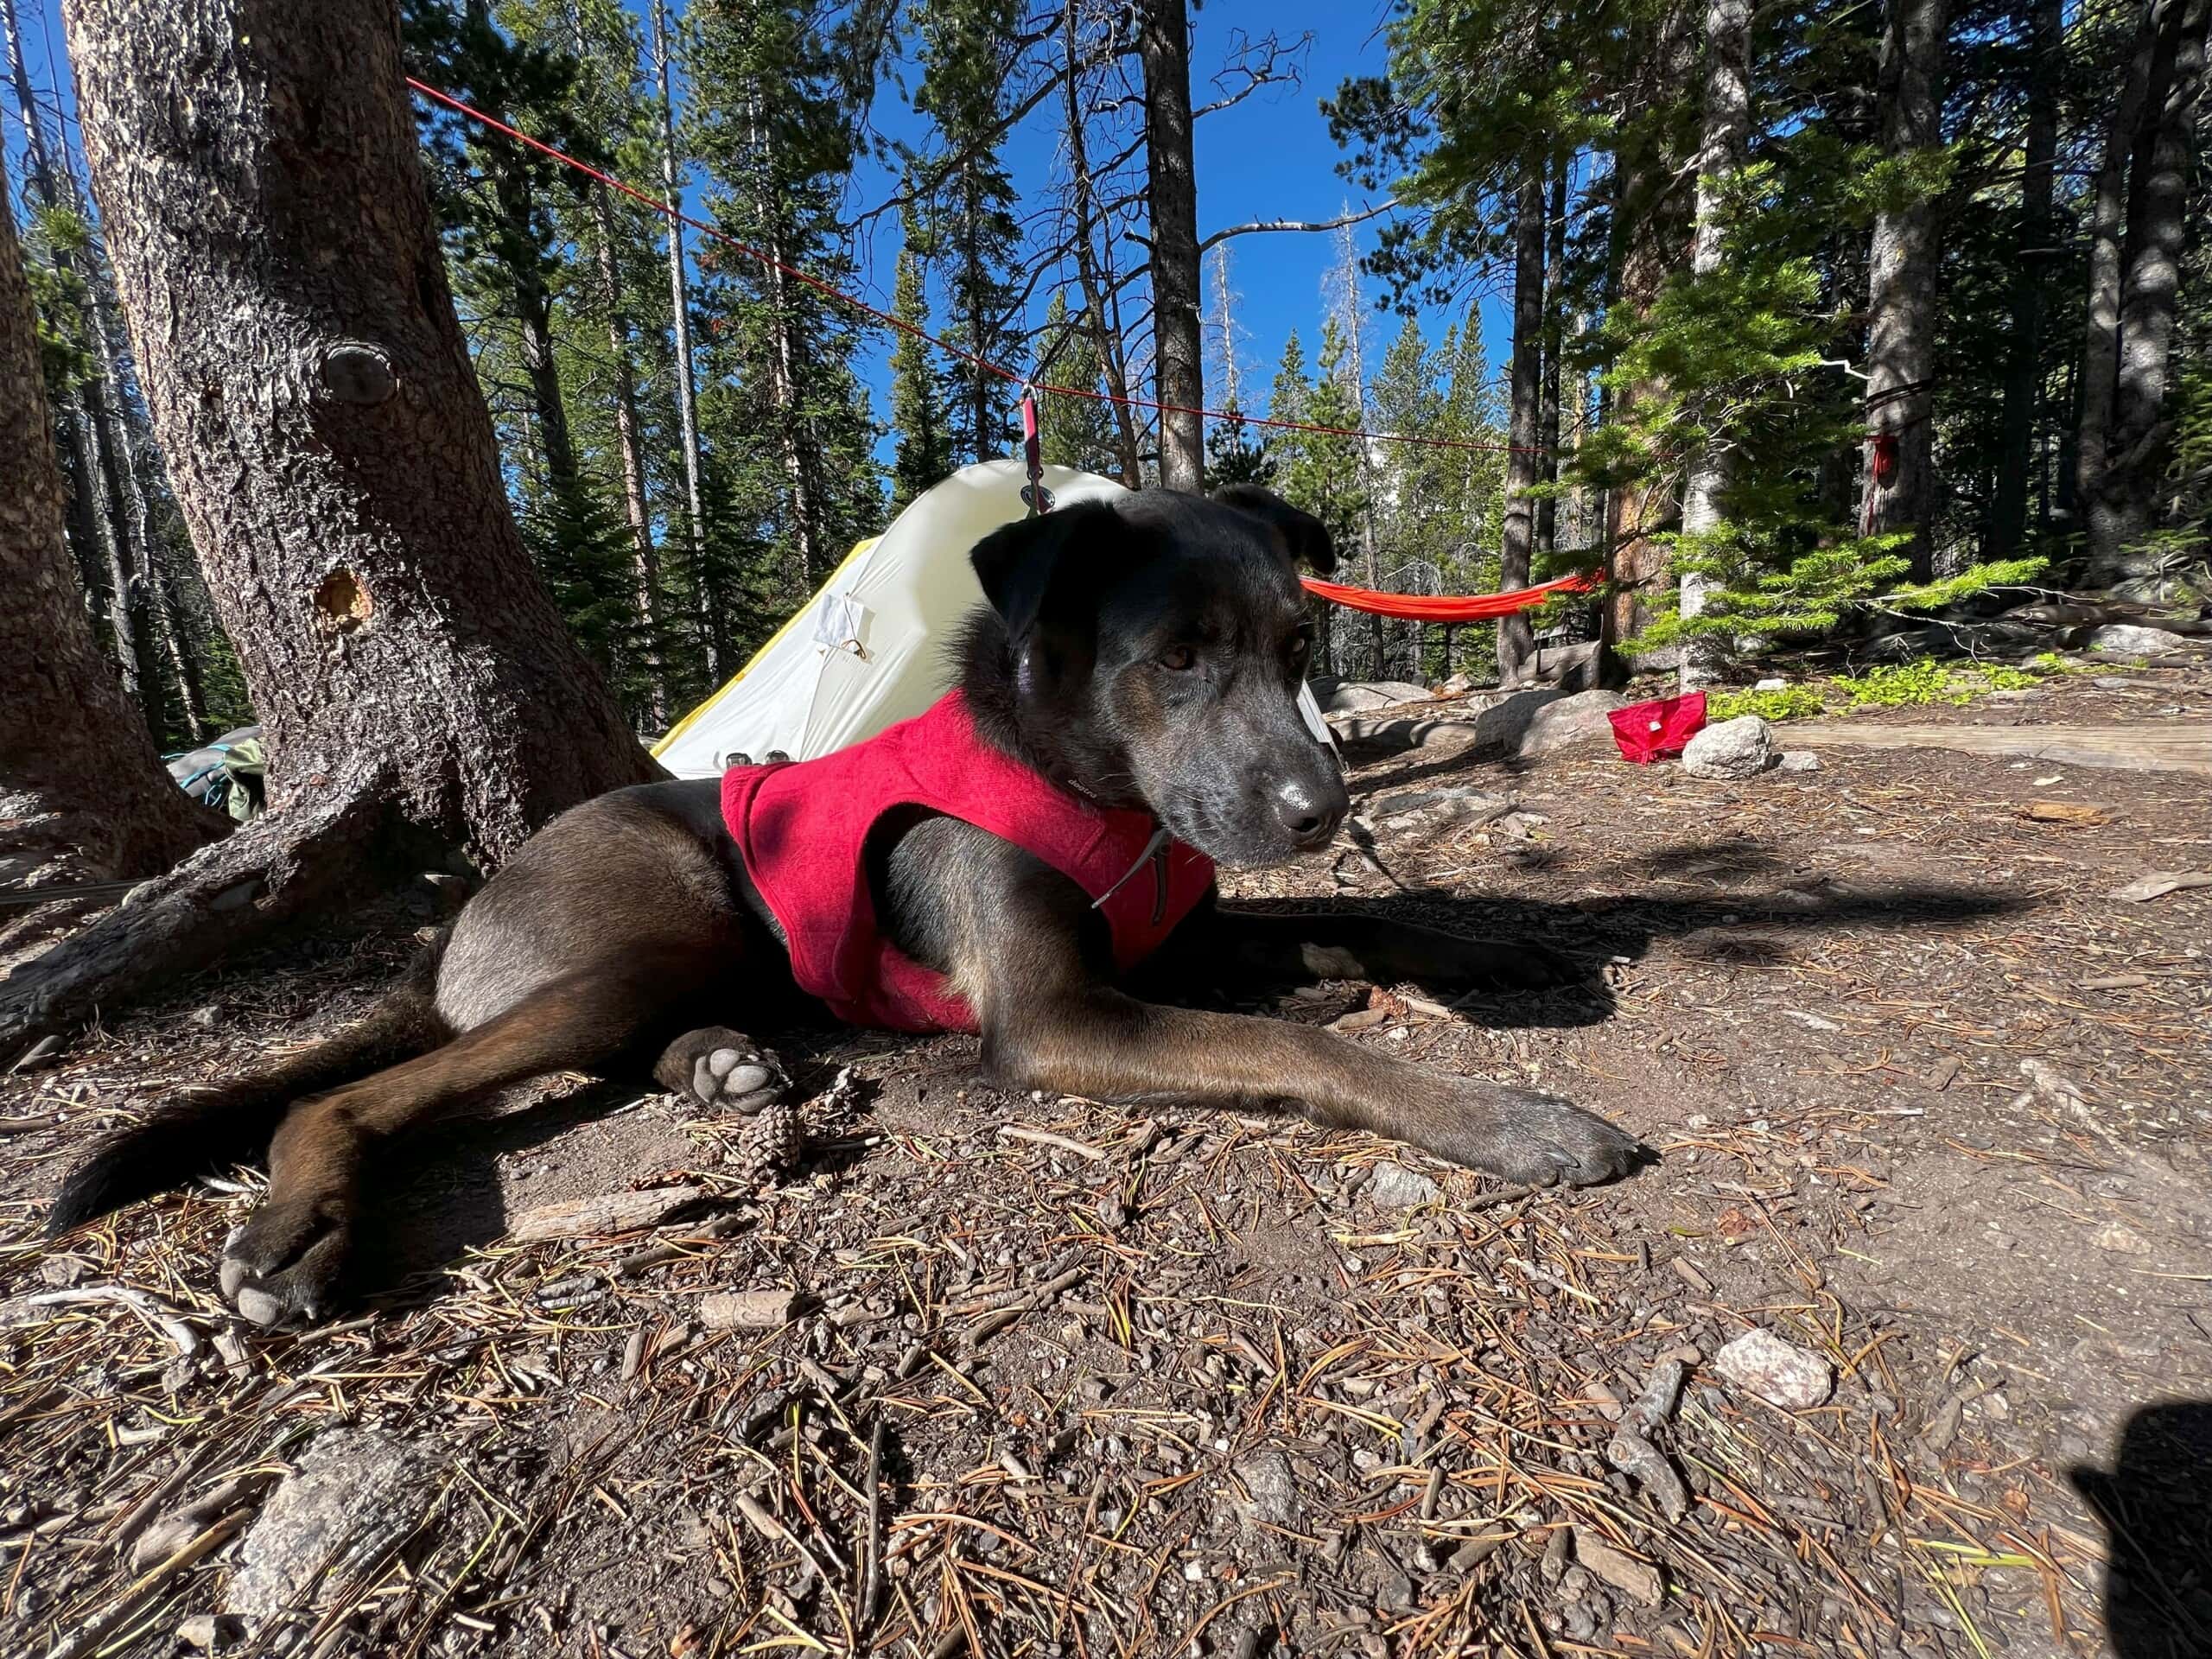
1155, 854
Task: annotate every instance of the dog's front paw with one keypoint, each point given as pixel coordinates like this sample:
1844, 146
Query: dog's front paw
283, 1267
1537, 1140
723, 1071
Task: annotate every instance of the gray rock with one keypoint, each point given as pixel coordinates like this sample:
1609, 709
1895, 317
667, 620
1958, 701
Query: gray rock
1742, 748
354, 1493
1798, 760
1459, 807
1272, 1488
1778, 1372
2128, 639
1539, 721
1395, 1187
1364, 696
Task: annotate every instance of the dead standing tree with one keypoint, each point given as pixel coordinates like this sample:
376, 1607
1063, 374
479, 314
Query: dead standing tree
273, 248
82, 792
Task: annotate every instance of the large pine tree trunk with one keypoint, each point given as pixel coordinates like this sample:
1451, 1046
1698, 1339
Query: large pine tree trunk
2016, 443
1902, 310
1164, 47
2121, 509
83, 795
1650, 233
1517, 640
1720, 156
278, 261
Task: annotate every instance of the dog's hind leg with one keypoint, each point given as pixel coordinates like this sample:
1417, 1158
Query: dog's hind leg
208, 1130
289, 1258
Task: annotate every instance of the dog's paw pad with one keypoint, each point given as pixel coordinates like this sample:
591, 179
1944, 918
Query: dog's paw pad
282, 1266
737, 1080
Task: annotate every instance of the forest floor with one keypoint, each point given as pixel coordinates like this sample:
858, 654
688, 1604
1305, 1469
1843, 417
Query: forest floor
1065, 1379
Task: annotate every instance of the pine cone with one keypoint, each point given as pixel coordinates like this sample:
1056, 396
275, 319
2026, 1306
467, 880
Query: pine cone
771, 1142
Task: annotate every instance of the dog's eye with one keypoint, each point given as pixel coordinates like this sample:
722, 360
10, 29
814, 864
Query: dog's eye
1301, 647
1180, 658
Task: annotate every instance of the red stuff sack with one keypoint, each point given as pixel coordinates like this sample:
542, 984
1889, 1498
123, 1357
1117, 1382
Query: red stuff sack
1645, 732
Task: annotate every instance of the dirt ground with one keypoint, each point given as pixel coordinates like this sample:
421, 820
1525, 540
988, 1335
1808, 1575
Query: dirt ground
1065, 1379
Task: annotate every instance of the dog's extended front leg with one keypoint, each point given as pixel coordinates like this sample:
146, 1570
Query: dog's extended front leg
1103, 1044
1277, 947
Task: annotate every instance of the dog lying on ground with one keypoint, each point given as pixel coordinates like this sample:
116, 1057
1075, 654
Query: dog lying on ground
1012, 862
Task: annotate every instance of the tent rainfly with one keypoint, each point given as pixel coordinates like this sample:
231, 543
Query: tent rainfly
869, 649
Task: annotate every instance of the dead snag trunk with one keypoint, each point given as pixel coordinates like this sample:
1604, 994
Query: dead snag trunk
1524, 465
646, 557
1899, 482
1164, 47
279, 268
1547, 541
687, 395
1095, 284
83, 795
1720, 157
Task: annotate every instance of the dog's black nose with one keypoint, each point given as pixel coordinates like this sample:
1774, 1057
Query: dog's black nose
1309, 817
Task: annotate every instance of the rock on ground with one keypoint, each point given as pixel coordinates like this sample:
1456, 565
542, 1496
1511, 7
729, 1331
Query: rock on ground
1274, 1488
1742, 748
1395, 1187
2128, 639
353, 1494
1361, 696
1798, 760
1539, 721
1780, 1373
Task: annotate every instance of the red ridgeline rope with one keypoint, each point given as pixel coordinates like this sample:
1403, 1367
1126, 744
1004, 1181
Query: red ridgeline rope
1414, 607
670, 211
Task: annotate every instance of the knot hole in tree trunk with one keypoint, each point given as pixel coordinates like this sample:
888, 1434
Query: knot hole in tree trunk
353, 371
342, 604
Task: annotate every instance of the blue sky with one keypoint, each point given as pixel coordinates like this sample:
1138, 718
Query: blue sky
1270, 157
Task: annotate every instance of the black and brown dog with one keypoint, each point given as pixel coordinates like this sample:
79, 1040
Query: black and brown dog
1147, 653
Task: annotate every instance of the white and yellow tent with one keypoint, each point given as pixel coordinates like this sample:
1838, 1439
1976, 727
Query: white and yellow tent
868, 650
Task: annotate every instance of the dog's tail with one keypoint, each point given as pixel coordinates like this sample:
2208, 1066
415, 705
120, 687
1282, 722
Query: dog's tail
212, 1129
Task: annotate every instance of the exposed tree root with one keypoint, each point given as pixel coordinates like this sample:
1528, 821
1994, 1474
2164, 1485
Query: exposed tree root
220, 897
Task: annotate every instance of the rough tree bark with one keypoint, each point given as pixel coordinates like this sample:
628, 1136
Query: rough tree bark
279, 267
83, 795
1164, 48
1720, 157
2126, 427
2016, 443
1517, 640
1899, 492
1650, 232
687, 397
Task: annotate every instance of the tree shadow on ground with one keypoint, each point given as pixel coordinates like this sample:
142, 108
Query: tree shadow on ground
2156, 1504
440, 1192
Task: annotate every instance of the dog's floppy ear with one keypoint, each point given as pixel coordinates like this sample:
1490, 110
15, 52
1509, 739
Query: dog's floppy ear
1019, 564
1306, 537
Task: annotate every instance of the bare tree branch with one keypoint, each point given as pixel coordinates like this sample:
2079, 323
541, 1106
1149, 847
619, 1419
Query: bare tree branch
1261, 225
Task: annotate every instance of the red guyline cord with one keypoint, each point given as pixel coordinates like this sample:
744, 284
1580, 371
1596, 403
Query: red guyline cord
668, 210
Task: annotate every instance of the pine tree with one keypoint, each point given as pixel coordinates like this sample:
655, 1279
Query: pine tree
970, 233
925, 448
1076, 432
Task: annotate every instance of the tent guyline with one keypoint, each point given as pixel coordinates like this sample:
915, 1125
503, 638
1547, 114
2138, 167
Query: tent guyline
1409, 608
